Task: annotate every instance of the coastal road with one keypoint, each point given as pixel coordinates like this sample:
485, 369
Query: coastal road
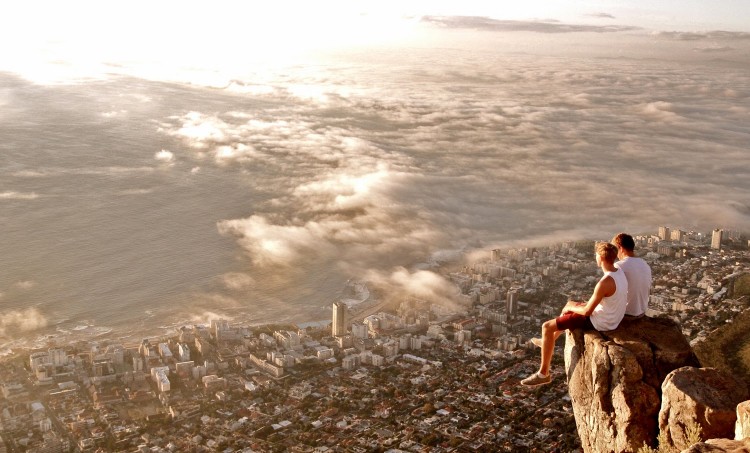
380, 306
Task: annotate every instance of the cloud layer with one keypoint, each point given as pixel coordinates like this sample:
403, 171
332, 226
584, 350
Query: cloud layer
382, 168
14, 321
274, 187
486, 23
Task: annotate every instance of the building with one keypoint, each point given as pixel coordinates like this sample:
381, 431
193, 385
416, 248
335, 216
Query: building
359, 330
183, 352
159, 374
665, 250
164, 351
184, 369
716, 237
287, 339
664, 233
340, 314
495, 255
511, 303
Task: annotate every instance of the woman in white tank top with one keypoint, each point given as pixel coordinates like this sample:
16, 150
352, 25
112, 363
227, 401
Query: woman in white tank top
610, 311
603, 311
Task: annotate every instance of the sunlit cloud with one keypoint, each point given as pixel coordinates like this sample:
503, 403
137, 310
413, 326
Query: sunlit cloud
601, 15
660, 110
349, 202
237, 280
699, 36
199, 131
25, 284
713, 49
207, 316
164, 156
114, 113
22, 320
12, 195
400, 284
437, 162
489, 24
136, 192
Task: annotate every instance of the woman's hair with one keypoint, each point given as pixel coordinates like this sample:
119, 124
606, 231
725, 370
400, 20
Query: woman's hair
606, 251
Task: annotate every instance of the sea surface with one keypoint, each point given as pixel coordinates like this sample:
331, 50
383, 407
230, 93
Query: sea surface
129, 206
96, 232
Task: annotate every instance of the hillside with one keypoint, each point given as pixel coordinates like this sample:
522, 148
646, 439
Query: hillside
728, 347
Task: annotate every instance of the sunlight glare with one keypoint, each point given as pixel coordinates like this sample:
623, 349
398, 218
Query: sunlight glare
182, 41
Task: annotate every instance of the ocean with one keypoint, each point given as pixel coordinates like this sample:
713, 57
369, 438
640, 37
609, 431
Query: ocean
131, 206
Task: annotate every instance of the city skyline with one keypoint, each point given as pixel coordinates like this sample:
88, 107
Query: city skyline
415, 374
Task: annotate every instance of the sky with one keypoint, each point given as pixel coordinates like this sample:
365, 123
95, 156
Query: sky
67, 40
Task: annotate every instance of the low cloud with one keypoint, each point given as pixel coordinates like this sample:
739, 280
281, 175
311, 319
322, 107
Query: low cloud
660, 111
465, 158
698, 36
401, 283
11, 195
25, 284
164, 156
205, 317
354, 218
236, 152
237, 281
713, 49
21, 321
199, 131
601, 15
485, 23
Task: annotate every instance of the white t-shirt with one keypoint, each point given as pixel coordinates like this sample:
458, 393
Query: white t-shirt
610, 311
638, 274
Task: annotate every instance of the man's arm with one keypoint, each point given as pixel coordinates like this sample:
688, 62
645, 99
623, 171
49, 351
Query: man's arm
605, 287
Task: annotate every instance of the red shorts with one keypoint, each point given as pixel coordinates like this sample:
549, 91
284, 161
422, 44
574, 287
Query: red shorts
570, 320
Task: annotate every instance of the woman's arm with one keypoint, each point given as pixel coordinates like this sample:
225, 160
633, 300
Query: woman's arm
605, 287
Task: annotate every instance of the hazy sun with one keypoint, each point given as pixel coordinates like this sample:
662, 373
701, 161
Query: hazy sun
166, 38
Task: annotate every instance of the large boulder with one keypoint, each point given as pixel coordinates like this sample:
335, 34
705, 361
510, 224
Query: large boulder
704, 399
614, 381
720, 446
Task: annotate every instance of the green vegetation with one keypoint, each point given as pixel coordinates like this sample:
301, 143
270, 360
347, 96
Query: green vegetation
742, 286
692, 433
728, 347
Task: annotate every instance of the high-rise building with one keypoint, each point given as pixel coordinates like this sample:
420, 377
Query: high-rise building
716, 238
338, 324
495, 255
664, 234
511, 303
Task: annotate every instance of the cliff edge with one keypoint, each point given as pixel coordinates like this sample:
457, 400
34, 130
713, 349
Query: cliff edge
615, 380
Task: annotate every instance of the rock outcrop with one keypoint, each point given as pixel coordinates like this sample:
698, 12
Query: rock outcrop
703, 398
720, 446
614, 381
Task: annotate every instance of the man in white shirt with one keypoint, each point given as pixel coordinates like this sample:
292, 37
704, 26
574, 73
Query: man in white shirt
638, 273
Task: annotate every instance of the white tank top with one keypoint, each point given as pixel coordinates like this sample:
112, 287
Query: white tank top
610, 311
